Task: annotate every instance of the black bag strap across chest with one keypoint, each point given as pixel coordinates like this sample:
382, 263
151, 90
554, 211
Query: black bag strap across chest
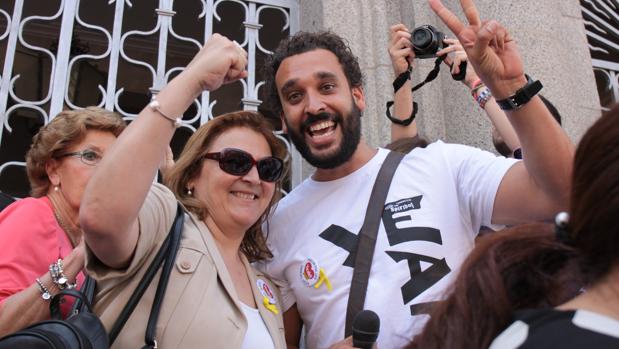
166, 256
367, 238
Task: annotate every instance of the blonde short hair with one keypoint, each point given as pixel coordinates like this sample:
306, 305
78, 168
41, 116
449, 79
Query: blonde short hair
65, 130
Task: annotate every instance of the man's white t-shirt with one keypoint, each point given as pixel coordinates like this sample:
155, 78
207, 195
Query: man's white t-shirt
438, 199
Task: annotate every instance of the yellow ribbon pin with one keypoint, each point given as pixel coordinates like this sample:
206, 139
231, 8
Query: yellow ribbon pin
270, 306
322, 277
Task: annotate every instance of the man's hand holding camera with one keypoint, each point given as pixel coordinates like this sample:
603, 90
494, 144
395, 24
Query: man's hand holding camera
400, 48
455, 56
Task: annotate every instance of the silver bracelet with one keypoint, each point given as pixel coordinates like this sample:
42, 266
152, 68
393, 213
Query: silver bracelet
59, 278
156, 107
45, 294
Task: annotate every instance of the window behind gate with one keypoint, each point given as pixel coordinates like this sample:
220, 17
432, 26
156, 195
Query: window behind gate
69, 54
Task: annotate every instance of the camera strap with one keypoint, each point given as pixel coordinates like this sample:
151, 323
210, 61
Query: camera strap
399, 82
432, 74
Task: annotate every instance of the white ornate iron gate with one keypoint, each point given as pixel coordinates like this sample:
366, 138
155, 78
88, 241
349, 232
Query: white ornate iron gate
59, 54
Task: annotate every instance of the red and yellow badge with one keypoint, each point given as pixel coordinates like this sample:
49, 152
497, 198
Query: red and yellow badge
309, 272
268, 297
314, 276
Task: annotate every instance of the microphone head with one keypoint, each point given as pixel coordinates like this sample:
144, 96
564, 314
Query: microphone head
365, 326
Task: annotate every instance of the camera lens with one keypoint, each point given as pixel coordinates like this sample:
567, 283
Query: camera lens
426, 41
422, 38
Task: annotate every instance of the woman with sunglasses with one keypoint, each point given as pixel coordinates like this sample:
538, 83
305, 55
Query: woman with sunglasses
228, 179
41, 240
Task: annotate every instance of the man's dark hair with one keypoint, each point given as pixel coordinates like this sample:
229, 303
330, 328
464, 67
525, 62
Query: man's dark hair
303, 42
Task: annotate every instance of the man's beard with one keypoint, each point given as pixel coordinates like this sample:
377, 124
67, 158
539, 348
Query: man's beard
351, 135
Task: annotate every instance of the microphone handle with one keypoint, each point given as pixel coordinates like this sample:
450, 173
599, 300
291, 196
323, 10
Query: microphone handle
362, 344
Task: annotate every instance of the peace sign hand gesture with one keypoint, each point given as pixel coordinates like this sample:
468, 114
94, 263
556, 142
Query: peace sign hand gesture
490, 48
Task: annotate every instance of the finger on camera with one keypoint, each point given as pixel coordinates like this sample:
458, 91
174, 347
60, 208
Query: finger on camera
395, 36
455, 67
399, 53
446, 50
398, 27
404, 42
401, 39
402, 52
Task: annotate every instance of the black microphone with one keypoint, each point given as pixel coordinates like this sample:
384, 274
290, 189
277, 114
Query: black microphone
365, 329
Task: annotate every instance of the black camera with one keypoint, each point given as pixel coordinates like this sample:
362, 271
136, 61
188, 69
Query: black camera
427, 41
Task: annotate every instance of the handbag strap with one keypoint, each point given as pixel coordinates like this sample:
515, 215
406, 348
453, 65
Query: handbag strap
88, 289
367, 238
54, 305
149, 275
168, 264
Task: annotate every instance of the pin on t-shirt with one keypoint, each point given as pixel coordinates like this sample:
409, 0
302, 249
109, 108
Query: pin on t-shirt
313, 275
268, 297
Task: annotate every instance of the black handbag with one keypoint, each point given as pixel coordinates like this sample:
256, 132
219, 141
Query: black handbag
82, 329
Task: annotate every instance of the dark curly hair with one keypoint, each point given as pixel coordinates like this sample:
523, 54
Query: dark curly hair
303, 42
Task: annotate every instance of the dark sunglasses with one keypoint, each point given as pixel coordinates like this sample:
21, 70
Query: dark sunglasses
238, 163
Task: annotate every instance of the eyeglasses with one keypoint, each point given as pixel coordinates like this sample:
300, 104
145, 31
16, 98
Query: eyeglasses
87, 156
238, 163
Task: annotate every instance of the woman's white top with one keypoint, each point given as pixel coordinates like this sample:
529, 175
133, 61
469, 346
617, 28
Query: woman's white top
257, 335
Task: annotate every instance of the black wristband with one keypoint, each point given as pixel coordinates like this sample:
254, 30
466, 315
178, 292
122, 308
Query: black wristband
404, 122
522, 96
401, 79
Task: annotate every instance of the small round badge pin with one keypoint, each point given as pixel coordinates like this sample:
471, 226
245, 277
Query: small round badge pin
310, 272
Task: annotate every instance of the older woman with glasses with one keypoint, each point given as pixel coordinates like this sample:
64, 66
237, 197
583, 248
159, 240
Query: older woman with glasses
228, 179
42, 249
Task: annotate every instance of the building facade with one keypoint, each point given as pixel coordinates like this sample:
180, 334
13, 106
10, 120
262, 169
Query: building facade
58, 54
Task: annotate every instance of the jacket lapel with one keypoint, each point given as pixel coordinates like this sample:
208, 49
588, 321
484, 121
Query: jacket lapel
220, 265
270, 318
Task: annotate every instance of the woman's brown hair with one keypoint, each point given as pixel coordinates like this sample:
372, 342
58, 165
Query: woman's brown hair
69, 127
594, 210
188, 166
522, 267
